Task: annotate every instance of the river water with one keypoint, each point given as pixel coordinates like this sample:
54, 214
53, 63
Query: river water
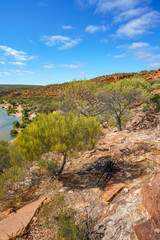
6, 124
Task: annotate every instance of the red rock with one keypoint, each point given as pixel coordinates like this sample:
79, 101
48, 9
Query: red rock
145, 231
111, 190
148, 198
16, 223
6, 213
150, 229
156, 182
153, 157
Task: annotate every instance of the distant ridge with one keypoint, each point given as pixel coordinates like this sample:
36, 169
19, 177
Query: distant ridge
17, 85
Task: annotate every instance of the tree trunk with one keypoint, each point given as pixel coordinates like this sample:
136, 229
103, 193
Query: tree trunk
119, 124
63, 164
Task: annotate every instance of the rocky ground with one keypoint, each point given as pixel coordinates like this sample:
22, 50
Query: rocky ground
125, 208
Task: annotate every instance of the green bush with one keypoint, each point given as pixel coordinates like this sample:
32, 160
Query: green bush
22, 125
156, 99
63, 220
11, 169
58, 133
11, 110
16, 124
13, 132
51, 166
4, 155
145, 108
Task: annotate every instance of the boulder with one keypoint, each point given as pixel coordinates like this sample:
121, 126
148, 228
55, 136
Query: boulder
150, 229
16, 223
111, 190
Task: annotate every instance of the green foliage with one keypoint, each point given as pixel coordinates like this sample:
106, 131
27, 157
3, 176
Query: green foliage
11, 168
11, 110
25, 112
25, 117
50, 165
63, 220
22, 125
81, 97
4, 155
119, 96
156, 100
57, 132
145, 108
16, 124
13, 132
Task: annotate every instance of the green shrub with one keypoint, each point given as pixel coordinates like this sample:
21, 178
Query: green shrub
11, 110
11, 169
63, 220
13, 132
51, 166
145, 108
22, 125
58, 133
16, 124
156, 99
4, 155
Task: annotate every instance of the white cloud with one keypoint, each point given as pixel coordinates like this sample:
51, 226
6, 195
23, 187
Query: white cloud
139, 25
70, 44
104, 41
29, 72
5, 74
103, 6
20, 64
65, 42
121, 55
153, 65
92, 28
82, 73
110, 5
138, 45
68, 27
70, 66
43, 4
20, 73
3, 63
126, 15
50, 66
17, 55
146, 55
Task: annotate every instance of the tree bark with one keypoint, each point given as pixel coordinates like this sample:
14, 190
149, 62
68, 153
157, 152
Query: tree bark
119, 124
63, 164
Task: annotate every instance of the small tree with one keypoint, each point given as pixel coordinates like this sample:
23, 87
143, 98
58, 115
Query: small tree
81, 97
59, 133
118, 97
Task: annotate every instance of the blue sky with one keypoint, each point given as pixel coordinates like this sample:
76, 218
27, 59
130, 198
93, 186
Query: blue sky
54, 41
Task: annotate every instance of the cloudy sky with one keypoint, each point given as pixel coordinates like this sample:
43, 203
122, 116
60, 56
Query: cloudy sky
54, 41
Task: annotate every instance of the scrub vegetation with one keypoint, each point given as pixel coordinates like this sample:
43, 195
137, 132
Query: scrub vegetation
68, 119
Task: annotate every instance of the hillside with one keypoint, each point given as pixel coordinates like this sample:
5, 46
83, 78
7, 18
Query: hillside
55, 89
110, 158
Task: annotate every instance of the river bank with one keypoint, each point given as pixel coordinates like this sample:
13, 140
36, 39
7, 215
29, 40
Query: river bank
19, 109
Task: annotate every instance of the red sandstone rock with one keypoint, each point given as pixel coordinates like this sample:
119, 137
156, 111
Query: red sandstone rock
150, 230
153, 157
111, 190
145, 231
6, 213
16, 223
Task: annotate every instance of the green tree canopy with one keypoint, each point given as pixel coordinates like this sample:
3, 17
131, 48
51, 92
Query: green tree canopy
59, 133
81, 97
117, 97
